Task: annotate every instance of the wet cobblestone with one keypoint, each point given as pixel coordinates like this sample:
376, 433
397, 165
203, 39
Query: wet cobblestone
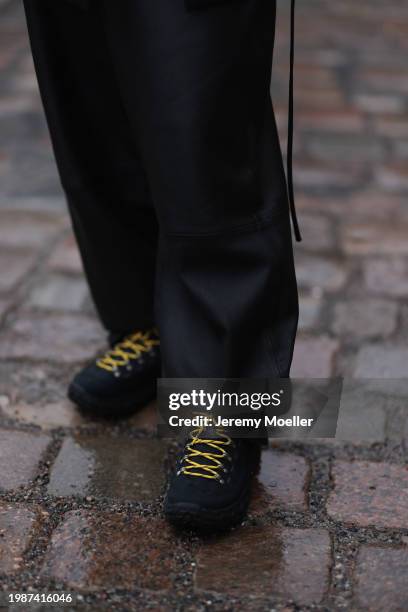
282, 482
80, 501
370, 494
389, 593
118, 468
90, 550
16, 527
268, 561
20, 454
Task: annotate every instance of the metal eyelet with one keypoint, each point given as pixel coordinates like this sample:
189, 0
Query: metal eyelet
221, 481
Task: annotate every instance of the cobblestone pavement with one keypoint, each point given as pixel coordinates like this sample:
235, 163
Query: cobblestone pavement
80, 501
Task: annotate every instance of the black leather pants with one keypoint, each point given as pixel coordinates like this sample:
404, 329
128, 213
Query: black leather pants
166, 144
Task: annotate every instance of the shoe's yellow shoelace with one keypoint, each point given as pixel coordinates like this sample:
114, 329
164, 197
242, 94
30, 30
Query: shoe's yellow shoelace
213, 457
132, 347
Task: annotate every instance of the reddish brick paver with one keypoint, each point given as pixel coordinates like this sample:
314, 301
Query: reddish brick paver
263, 561
314, 357
387, 277
281, 482
381, 578
66, 258
16, 529
370, 494
90, 550
367, 238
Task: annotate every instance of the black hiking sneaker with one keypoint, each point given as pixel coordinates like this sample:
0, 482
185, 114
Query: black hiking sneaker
211, 488
122, 380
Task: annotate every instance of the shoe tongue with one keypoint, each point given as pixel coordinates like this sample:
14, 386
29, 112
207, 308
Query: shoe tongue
116, 337
210, 433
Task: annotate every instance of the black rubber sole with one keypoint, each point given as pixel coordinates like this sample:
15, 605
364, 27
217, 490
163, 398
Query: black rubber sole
111, 409
184, 515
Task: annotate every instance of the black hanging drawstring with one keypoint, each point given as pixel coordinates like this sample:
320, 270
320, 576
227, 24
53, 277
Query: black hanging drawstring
289, 156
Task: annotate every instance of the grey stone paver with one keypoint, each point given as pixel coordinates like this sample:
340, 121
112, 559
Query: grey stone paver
387, 277
320, 272
49, 416
46, 416
351, 185
384, 361
281, 482
314, 357
20, 453
59, 293
365, 318
61, 339
381, 578
117, 468
13, 268
4, 306
27, 231
309, 311
317, 232
260, 561
363, 412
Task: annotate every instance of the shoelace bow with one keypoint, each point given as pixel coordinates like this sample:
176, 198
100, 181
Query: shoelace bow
131, 348
204, 456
